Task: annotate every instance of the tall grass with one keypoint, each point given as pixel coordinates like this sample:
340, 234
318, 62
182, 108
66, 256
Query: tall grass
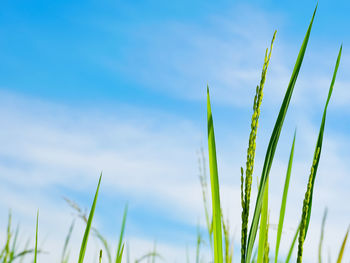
220, 242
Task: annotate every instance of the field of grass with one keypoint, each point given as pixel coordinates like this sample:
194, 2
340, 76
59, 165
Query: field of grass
254, 241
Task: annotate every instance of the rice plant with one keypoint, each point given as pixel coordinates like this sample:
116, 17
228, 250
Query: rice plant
220, 242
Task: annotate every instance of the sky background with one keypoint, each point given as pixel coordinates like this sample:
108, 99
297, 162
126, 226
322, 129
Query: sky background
120, 87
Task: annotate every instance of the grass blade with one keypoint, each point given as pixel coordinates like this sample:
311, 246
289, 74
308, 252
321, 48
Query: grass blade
100, 258
292, 245
284, 200
64, 250
320, 136
307, 204
273, 142
214, 180
36, 238
341, 252
321, 237
263, 225
120, 246
88, 225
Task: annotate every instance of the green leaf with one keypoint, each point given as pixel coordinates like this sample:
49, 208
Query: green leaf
321, 237
263, 225
307, 204
36, 238
341, 252
88, 225
284, 199
214, 180
120, 246
320, 135
292, 245
273, 142
65, 246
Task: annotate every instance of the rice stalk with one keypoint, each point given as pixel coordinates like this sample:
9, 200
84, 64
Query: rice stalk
245, 198
307, 203
274, 141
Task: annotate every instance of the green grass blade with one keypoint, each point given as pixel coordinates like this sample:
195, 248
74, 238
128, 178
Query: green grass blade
65, 246
218, 254
273, 142
321, 237
119, 259
284, 199
263, 225
342, 248
104, 243
292, 245
307, 204
88, 225
320, 135
120, 246
36, 238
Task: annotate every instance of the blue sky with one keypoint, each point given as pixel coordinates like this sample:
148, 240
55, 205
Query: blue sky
120, 87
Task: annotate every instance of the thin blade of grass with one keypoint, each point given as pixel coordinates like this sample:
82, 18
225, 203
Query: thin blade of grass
64, 250
342, 248
274, 140
292, 245
322, 235
307, 204
36, 238
120, 250
263, 225
88, 225
284, 199
218, 254
320, 135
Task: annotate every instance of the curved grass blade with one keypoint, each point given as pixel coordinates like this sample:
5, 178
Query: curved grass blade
36, 238
120, 246
88, 225
321, 237
284, 199
214, 180
341, 252
292, 245
273, 142
307, 204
